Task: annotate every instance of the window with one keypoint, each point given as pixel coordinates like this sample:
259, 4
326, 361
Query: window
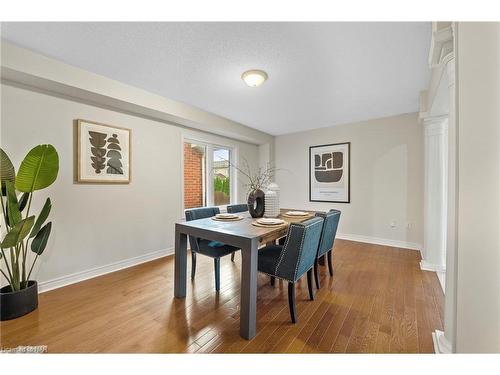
207, 175
194, 175
221, 176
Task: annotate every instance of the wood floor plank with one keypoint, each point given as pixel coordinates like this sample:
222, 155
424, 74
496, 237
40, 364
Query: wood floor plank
397, 344
377, 301
333, 330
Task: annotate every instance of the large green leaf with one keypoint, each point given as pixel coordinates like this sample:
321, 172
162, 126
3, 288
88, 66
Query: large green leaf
13, 211
23, 201
38, 169
18, 232
40, 241
7, 171
44, 214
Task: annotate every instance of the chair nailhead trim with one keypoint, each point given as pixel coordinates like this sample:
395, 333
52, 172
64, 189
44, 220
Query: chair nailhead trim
285, 247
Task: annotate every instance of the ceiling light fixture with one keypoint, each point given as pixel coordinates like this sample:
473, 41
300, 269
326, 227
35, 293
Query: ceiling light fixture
254, 78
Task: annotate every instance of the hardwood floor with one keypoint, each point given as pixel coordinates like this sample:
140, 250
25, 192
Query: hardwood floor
378, 301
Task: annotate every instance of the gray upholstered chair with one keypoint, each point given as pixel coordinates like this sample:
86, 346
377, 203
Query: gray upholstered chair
213, 249
233, 209
296, 257
330, 224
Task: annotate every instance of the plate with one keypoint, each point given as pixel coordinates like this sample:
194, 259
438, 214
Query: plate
226, 216
296, 213
270, 221
227, 219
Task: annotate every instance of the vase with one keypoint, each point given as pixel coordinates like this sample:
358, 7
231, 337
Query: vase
273, 186
256, 203
18, 303
271, 204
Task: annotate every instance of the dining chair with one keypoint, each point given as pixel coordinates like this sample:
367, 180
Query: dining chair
235, 208
328, 233
296, 257
212, 249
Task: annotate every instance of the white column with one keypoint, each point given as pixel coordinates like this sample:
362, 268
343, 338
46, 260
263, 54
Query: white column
445, 342
435, 195
443, 47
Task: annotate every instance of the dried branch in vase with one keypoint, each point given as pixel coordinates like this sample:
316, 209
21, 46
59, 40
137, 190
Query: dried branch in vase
256, 180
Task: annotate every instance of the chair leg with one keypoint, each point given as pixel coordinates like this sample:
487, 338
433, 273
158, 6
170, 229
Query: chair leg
193, 264
321, 260
232, 257
316, 274
310, 284
273, 280
217, 273
291, 302
330, 265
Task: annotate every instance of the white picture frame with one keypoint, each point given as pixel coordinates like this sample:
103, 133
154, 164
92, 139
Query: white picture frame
103, 153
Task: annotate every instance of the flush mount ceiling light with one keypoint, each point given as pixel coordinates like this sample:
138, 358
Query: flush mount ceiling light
254, 78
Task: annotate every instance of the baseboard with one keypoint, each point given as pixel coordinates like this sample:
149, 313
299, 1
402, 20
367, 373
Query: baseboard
441, 343
59, 282
379, 241
439, 269
426, 266
442, 280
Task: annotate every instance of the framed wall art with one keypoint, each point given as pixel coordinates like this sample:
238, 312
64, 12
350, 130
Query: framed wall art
103, 153
329, 173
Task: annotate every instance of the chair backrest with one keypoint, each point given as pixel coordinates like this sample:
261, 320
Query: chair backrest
234, 208
199, 213
330, 224
299, 252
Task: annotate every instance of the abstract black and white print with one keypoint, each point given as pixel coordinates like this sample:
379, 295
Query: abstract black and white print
329, 173
104, 153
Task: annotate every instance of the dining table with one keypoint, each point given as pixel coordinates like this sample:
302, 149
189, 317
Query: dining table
242, 234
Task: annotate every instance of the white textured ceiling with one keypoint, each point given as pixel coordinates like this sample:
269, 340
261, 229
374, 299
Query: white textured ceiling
320, 74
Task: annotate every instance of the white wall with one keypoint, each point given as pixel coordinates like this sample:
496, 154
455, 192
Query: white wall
478, 253
386, 177
96, 225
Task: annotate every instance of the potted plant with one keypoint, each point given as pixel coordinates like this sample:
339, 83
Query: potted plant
22, 231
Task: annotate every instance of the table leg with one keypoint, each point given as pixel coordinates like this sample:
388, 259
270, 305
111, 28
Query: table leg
248, 305
180, 264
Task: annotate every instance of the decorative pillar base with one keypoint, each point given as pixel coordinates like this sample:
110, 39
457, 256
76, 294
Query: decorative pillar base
426, 266
441, 343
439, 269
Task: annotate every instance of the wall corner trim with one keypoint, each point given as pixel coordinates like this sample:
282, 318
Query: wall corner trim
73, 278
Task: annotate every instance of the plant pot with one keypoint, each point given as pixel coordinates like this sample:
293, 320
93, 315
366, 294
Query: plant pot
18, 303
256, 203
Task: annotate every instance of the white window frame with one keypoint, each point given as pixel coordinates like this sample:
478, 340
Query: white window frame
208, 183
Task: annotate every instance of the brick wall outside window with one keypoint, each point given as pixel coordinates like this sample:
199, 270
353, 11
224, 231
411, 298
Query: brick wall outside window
193, 176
